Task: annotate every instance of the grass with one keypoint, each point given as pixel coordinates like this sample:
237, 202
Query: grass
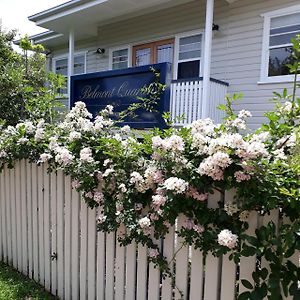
14, 285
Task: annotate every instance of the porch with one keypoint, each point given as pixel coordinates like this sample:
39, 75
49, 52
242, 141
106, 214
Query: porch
186, 98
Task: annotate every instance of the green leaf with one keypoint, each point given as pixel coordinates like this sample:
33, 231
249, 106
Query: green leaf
244, 296
247, 284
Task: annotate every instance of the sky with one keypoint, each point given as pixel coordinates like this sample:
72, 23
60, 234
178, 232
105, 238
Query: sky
14, 14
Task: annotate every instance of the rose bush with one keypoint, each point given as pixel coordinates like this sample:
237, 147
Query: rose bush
141, 182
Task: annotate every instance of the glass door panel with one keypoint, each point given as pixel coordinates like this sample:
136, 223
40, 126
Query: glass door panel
143, 57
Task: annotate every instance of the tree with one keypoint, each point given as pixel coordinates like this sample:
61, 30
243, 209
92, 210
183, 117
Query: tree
26, 89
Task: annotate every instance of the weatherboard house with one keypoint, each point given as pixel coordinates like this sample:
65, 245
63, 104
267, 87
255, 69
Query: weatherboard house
204, 49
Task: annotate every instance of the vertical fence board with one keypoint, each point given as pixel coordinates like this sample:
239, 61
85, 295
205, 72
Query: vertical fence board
35, 238
83, 249
212, 264
1, 218
8, 215
24, 232
19, 215
168, 252
47, 249
53, 216
196, 291
181, 263
154, 279
12, 195
110, 265
75, 244
3, 215
67, 237
41, 224
142, 272
60, 234
91, 265
130, 271
228, 279
100, 266
29, 200
120, 269
248, 264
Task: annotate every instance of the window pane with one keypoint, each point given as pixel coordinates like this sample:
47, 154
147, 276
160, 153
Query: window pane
79, 64
278, 60
165, 53
143, 57
61, 67
188, 69
282, 39
190, 39
286, 29
120, 59
190, 47
189, 55
120, 65
287, 20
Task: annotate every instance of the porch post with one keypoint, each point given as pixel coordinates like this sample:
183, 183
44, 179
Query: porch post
70, 61
207, 57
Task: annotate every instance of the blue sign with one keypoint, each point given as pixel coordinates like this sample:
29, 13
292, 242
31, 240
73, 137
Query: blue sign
121, 88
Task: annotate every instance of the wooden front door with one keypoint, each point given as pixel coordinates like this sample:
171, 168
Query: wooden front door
152, 53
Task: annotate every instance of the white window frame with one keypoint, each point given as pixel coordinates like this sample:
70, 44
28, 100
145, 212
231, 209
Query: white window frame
111, 50
176, 50
65, 56
264, 78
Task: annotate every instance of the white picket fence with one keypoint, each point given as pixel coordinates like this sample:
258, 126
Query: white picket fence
49, 234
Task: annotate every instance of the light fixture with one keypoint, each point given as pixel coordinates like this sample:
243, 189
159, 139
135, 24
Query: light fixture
100, 51
215, 27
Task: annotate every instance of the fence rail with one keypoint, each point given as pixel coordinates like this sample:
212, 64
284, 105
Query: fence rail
49, 234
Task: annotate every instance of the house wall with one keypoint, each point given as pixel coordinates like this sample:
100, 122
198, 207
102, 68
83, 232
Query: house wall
237, 46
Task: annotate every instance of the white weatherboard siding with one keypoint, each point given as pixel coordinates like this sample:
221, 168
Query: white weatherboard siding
236, 50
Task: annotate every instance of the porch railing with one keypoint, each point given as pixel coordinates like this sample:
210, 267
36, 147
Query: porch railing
186, 99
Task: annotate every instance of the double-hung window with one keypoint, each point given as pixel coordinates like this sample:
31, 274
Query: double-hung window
189, 53
61, 67
279, 28
119, 58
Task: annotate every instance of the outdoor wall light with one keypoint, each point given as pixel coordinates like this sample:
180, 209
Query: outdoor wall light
215, 27
100, 51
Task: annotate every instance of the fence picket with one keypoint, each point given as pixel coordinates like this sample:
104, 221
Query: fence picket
142, 273
47, 249
8, 215
3, 219
19, 215
53, 200
12, 196
196, 275
154, 279
120, 269
41, 224
181, 263
29, 211
35, 236
168, 252
248, 264
83, 249
75, 203
110, 265
130, 271
60, 234
91, 264
100, 265
67, 238
24, 232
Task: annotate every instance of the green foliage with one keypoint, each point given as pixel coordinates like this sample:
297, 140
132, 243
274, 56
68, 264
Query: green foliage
14, 285
26, 89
